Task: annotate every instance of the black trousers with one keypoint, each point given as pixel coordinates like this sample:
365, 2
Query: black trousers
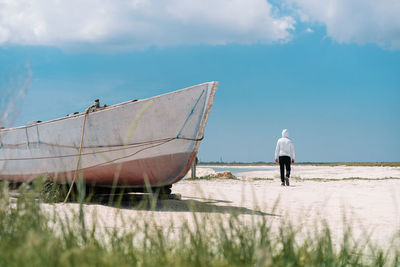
284, 161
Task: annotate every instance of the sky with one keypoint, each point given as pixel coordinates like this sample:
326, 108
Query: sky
328, 71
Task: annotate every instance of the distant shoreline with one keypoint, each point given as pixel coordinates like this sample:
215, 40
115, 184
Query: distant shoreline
372, 164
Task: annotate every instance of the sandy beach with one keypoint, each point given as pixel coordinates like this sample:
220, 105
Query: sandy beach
371, 205
308, 172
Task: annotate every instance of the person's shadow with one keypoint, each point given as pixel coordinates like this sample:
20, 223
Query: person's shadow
187, 204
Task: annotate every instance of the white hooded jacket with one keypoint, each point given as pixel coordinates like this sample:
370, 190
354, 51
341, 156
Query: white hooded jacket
284, 146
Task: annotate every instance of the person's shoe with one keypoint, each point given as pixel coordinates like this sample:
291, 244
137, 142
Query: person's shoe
287, 181
283, 184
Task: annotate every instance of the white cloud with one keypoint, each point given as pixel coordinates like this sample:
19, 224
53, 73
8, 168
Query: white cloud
355, 21
141, 23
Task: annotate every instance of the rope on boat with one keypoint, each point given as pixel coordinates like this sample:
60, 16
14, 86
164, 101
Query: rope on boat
152, 144
190, 114
132, 154
116, 148
80, 151
83, 134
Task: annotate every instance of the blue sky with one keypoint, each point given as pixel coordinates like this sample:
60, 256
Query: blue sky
334, 82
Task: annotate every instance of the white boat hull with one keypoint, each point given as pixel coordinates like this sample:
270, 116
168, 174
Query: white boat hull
154, 140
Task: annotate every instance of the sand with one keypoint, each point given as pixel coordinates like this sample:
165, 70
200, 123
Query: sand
308, 171
372, 207
368, 205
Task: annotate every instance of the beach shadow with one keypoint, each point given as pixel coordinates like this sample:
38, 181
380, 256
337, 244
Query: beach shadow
189, 204
209, 200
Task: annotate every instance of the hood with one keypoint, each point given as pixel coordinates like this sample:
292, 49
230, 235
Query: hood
285, 133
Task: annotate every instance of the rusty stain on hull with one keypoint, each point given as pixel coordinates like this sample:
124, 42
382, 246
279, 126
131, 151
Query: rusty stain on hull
160, 171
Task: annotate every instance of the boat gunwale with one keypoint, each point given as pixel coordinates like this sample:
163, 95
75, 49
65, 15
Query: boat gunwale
103, 109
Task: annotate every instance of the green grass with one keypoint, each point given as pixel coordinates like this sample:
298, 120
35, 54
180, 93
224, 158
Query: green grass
29, 236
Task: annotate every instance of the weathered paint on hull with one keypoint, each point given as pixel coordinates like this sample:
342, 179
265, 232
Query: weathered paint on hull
162, 170
152, 140
157, 171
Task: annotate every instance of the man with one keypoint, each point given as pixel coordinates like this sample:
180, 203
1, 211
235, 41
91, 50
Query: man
284, 149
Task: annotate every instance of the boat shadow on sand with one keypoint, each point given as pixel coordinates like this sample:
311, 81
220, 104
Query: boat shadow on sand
187, 204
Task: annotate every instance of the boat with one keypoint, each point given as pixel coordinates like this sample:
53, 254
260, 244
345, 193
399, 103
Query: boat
152, 141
